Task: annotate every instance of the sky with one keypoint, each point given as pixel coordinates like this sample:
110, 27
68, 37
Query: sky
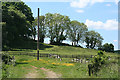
98, 15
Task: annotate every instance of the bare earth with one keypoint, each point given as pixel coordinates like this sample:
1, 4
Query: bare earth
32, 75
48, 73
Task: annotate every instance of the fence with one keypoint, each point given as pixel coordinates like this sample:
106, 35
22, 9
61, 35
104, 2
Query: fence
48, 55
74, 58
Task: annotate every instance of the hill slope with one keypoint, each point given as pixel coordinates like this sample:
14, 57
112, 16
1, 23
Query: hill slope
63, 50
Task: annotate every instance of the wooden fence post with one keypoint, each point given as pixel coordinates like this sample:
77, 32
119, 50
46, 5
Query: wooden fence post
89, 69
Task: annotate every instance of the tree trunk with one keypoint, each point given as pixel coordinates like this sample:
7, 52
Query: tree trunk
72, 43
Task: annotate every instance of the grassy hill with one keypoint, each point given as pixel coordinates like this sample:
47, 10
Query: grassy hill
63, 50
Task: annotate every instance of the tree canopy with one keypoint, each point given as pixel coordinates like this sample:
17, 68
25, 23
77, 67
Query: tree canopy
93, 39
76, 31
17, 19
108, 47
57, 25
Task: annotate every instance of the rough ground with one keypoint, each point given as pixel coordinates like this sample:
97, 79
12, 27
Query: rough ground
32, 74
47, 72
50, 74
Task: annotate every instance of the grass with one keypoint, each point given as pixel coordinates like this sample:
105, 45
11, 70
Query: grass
77, 70
0, 69
64, 50
111, 70
21, 68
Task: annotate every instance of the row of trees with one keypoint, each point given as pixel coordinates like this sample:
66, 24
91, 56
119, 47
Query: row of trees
18, 25
59, 27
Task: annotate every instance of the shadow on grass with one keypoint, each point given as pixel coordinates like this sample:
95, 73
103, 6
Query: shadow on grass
29, 46
65, 44
19, 63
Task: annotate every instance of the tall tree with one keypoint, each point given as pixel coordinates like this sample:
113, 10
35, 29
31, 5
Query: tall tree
49, 23
34, 24
42, 28
18, 19
76, 31
93, 39
57, 25
61, 22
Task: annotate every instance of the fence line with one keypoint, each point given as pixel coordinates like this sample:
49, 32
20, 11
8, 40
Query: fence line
61, 56
48, 55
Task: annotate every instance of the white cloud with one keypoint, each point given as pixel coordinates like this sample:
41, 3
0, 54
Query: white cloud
108, 4
80, 3
84, 3
80, 11
108, 25
95, 1
115, 40
116, 1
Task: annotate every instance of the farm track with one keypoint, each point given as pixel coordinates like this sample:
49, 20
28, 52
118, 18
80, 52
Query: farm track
32, 74
47, 72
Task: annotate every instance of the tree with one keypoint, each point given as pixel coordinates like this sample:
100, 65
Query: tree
42, 27
17, 19
76, 31
50, 28
57, 24
93, 39
34, 29
108, 47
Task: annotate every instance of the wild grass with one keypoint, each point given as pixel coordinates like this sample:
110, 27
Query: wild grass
77, 70
64, 50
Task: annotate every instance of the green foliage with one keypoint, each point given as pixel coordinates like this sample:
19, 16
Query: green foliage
56, 26
108, 47
17, 19
6, 59
97, 62
42, 28
76, 32
93, 39
5, 72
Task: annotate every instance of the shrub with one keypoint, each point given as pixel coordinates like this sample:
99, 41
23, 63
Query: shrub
6, 62
96, 63
6, 58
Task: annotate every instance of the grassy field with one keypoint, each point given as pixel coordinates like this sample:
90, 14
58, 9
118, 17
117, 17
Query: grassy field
63, 50
64, 68
27, 66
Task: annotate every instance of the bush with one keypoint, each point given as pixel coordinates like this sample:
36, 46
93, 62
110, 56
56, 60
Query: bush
6, 58
97, 62
6, 62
